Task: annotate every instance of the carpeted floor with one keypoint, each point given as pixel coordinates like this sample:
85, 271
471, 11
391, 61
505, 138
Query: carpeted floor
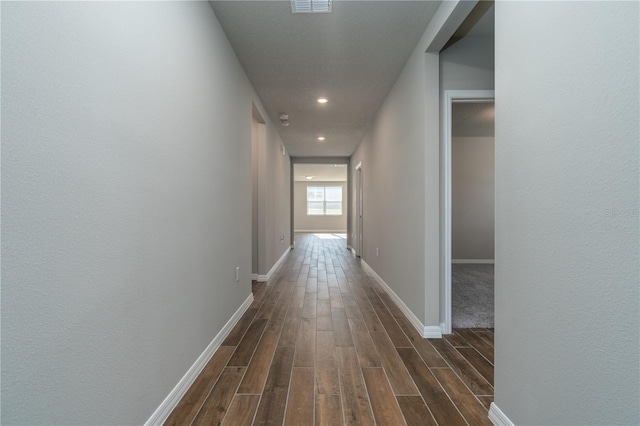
472, 295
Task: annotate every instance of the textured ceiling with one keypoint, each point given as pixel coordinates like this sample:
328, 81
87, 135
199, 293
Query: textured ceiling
352, 56
473, 119
320, 172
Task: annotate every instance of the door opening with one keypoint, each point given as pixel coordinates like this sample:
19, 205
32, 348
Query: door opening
466, 214
258, 132
359, 212
320, 197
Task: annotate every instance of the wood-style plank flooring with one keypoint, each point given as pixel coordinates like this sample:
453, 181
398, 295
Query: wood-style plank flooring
323, 344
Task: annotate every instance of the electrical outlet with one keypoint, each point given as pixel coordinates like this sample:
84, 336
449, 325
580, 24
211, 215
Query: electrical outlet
237, 273
377, 252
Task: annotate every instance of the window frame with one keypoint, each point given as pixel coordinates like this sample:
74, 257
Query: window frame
324, 200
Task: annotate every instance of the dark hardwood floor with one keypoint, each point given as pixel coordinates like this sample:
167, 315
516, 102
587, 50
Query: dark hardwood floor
323, 344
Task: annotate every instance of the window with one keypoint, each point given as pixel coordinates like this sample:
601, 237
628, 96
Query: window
324, 200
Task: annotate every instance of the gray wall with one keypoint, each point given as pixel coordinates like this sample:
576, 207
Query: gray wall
567, 200
393, 170
302, 222
126, 204
272, 199
472, 198
275, 185
468, 65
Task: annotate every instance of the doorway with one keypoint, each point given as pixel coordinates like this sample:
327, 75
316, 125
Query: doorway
258, 168
359, 213
320, 198
468, 209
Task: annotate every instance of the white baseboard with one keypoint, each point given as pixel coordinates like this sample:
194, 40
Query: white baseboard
431, 332
174, 397
274, 268
352, 250
497, 417
443, 329
254, 277
473, 261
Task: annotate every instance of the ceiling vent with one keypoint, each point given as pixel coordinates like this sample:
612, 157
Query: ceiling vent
310, 6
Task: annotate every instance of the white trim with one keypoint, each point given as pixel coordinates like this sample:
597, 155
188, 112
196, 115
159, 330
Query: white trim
473, 261
265, 278
445, 257
497, 417
171, 401
254, 277
352, 251
432, 331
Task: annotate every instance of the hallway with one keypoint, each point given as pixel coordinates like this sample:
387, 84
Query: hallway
128, 138
324, 344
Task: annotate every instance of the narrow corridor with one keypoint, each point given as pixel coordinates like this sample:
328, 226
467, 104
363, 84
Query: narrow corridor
324, 344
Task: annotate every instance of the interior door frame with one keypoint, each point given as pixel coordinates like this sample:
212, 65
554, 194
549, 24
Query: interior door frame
258, 169
451, 96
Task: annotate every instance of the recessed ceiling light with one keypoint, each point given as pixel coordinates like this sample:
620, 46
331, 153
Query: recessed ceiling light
308, 177
320, 138
285, 123
322, 100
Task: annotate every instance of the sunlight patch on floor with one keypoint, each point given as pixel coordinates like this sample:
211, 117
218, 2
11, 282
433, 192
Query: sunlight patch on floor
331, 236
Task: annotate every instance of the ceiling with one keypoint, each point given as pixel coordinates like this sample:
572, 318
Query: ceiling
485, 25
352, 56
320, 172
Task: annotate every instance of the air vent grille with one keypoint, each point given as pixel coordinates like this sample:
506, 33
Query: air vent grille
310, 6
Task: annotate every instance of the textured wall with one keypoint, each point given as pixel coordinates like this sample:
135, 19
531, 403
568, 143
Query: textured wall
126, 204
567, 226
302, 222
